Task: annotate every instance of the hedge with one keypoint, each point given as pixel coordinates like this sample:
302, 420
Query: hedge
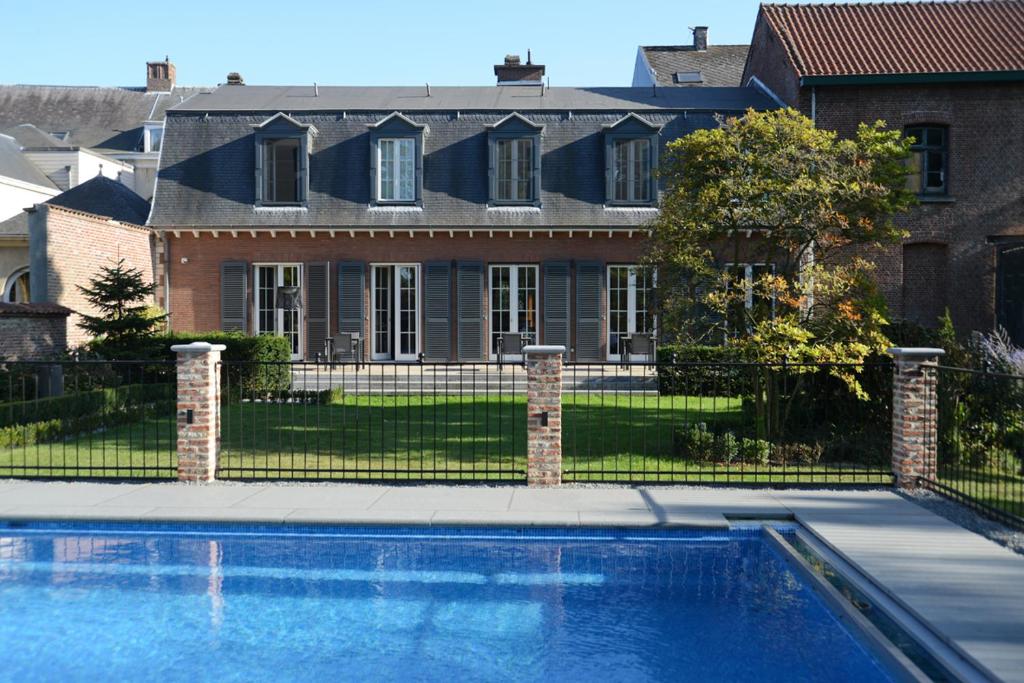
710, 376
255, 372
99, 402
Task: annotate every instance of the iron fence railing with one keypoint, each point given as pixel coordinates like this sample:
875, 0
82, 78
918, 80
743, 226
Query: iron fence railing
727, 423
382, 421
980, 441
88, 419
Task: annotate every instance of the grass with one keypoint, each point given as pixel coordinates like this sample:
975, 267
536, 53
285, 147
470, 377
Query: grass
606, 437
998, 488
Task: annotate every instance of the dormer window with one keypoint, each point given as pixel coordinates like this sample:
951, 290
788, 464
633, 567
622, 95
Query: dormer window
515, 170
515, 154
632, 170
152, 136
281, 174
631, 154
397, 163
282, 161
396, 160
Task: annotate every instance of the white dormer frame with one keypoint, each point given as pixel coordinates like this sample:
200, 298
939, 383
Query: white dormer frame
152, 130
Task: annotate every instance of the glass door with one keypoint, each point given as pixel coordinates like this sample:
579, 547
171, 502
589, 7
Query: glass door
513, 304
629, 307
395, 319
270, 319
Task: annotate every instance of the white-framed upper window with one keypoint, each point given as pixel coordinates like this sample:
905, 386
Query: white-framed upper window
282, 172
632, 168
396, 180
514, 169
749, 274
152, 136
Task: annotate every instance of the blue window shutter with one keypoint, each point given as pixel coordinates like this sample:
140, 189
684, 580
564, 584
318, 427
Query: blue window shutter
351, 296
418, 151
259, 170
609, 169
492, 172
318, 307
303, 169
556, 303
537, 155
234, 296
437, 304
470, 298
373, 168
589, 281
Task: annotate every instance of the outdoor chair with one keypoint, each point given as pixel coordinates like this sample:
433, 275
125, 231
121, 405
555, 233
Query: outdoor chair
342, 347
638, 344
510, 343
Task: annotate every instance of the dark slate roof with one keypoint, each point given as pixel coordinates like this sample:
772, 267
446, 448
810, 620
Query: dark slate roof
36, 310
14, 164
106, 119
29, 135
250, 98
206, 176
105, 197
100, 196
719, 65
863, 39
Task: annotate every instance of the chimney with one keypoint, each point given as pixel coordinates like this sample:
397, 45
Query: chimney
160, 76
513, 72
700, 38
235, 78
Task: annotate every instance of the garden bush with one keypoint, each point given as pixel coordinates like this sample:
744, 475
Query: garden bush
109, 402
677, 377
255, 366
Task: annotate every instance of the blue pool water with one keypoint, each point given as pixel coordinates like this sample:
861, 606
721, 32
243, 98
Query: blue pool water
229, 603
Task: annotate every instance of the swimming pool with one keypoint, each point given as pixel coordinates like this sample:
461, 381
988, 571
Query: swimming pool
196, 602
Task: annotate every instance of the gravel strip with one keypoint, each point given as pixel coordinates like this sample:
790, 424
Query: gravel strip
969, 519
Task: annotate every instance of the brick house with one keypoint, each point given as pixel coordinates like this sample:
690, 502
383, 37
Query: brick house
951, 75
424, 220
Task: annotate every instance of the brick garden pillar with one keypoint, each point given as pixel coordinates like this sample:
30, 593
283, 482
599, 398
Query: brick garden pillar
198, 410
544, 415
914, 415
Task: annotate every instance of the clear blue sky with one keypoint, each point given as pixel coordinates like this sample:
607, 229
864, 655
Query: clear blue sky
583, 43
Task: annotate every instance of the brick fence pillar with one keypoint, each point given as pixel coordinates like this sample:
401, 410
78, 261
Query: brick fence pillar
914, 415
544, 415
198, 410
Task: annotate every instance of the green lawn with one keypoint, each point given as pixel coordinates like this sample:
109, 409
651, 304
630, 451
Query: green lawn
606, 437
998, 488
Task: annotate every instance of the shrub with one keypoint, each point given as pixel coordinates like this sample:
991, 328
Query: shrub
255, 366
755, 451
796, 453
709, 376
694, 442
108, 402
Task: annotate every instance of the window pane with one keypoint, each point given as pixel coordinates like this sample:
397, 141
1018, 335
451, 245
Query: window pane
156, 136
621, 170
505, 170
282, 170
387, 169
407, 170
524, 169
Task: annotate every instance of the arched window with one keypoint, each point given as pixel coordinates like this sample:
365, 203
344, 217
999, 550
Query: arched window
16, 290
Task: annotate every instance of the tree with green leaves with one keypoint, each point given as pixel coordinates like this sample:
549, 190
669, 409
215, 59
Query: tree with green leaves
125, 322
802, 206
765, 240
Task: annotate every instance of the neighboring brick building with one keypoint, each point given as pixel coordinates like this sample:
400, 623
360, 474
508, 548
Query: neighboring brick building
32, 331
426, 220
950, 74
76, 233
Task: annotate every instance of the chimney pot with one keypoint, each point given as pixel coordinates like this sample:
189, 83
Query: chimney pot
160, 76
235, 78
700, 38
511, 60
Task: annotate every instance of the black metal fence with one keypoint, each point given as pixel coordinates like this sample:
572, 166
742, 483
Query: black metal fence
88, 419
980, 444
727, 423
347, 421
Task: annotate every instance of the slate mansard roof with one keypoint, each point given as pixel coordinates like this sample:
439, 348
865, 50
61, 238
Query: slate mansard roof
900, 38
718, 65
207, 167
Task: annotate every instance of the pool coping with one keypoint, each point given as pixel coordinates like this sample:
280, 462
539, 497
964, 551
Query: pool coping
915, 556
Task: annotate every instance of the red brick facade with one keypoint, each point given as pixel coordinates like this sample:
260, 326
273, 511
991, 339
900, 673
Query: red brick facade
76, 246
194, 262
950, 258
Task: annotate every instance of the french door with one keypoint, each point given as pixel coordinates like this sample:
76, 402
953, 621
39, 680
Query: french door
513, 304
395, 325
629, 307
270, 319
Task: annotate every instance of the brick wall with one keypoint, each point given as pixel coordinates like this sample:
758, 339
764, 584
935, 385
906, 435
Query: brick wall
77, 245
32, 331
195, 284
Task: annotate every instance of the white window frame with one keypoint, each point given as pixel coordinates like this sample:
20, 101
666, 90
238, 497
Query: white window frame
513, 303
515, 179
147, 135
12, 280
396, 169
631, 146
748, 284
395, 317
631, 290
278, 312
